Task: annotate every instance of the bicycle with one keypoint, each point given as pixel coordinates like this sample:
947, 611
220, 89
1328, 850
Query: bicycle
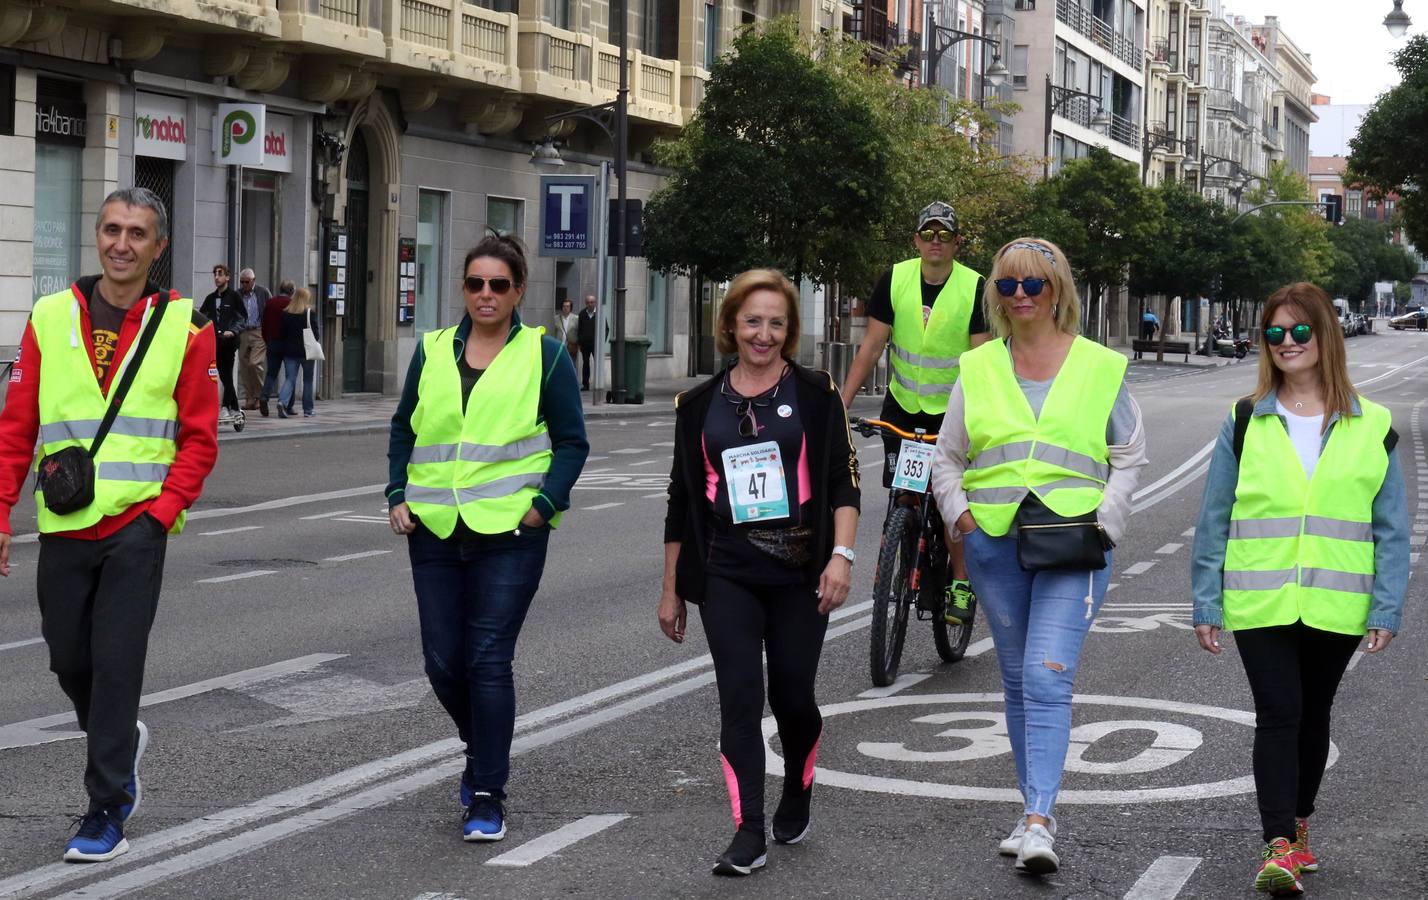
912, 568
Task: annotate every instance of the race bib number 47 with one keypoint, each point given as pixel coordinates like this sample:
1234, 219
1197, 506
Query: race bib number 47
754, 477
914, 467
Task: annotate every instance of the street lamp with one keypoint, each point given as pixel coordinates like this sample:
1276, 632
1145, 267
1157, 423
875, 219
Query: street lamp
1397, 22
1056, 97
1151, 141
944, 38
613, 119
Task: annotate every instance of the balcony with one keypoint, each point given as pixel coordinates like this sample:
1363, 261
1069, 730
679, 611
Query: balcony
453, 38
1124, 131
1099, 31
1160, 55
561, 65
1217, 98
350, 26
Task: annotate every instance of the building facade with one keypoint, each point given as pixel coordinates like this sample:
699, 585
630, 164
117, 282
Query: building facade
1175, 91
1292, 114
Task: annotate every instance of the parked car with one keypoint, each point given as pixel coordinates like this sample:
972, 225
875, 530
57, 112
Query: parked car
1408, 319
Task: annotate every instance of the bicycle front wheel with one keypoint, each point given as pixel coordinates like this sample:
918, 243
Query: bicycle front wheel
892, 595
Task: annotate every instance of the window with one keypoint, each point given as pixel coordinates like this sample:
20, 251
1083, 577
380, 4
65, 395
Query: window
57, 203
657, 313
505, 215
557, 13
430, 273
711, 33
1018, 65
260, 226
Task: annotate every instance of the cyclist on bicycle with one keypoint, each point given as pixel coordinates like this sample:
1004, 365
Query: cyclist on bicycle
931, 308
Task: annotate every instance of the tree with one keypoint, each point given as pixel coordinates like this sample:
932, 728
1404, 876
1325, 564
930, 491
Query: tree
1363, 256
779, 167
1390, 151
1185, 252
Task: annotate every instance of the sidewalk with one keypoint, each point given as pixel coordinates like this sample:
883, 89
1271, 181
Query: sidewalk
1179, 360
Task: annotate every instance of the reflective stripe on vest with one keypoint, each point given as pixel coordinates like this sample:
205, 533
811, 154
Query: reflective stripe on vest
481, 465
926, 356
132, 463
1061, 454
1302, 549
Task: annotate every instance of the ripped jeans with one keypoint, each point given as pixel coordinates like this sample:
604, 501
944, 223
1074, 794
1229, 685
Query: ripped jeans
1038, 621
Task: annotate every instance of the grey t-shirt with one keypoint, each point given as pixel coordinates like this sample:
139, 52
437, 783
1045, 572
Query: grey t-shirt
1119, 428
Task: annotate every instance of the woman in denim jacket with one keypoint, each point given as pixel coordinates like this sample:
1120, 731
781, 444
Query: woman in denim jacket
1299, 566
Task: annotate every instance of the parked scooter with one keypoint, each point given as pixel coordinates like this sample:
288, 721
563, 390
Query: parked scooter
1221, 343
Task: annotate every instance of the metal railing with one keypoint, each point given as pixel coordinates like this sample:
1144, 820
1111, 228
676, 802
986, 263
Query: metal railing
1219, 98
1125, 131
1098, 30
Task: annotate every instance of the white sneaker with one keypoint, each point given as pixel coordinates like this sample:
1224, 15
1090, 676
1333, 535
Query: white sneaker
1036, 856
1011, 845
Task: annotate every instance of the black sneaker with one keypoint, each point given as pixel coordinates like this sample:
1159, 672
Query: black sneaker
746, 853
790, 822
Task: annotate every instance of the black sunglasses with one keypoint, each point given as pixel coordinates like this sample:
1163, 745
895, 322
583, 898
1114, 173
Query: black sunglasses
744, 408
1301, 333
474, 284
1007, 286
942, 235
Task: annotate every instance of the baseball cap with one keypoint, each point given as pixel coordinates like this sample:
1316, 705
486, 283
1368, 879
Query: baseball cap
937, 211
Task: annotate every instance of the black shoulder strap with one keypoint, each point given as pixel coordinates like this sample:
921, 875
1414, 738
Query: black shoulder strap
131, 371
1244, 410
1390, 440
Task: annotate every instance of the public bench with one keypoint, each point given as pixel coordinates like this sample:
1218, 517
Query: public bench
1153, 346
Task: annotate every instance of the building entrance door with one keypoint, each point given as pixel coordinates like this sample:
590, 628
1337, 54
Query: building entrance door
354, 322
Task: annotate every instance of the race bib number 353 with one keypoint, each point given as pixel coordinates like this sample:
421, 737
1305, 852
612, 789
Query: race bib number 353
754, 478
914, 467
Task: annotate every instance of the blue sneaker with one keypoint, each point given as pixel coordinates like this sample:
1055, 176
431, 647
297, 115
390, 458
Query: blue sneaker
133, 786
485, 819
468, 790
100, 838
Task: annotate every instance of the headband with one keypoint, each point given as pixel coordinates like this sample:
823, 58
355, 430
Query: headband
1027, 245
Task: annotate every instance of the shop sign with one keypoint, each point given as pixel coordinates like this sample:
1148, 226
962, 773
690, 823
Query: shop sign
59, 116
237, 128
568, 215
160, 126
278, 143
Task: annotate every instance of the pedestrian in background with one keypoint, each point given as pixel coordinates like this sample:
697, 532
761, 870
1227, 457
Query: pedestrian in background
252, 349
102, 550
1149, 325
1036, 463
224, 308
929, 308
273, 337
298, 317
486, 443
567, 327
585, 336
1301, 549
762, 516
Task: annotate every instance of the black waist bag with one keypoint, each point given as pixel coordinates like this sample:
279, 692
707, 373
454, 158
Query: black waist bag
67, 476
1045, 540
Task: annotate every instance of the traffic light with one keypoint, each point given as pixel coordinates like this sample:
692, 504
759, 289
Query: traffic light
1333, 209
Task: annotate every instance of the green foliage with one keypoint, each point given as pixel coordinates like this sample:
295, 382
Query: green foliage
1187, 249
1402, 293
1299, 232
1362, 256
1390, 150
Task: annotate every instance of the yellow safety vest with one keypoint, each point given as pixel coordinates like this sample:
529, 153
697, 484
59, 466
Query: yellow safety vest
134, 459
925, 356
1302, 548
1061, 455
485, 465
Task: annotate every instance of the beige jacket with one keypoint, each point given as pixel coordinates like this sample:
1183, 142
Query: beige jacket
951, 462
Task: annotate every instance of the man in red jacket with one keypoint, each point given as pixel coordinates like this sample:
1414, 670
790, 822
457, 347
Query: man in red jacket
101, 565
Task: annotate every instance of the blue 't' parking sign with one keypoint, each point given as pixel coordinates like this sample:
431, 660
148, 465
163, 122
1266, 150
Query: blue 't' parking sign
568, 215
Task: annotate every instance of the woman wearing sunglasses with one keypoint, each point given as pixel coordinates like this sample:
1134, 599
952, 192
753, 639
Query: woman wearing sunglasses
1036, 462
763, 512
486, 443
1301, 549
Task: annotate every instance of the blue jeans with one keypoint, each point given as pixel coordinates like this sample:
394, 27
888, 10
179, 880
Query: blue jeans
275, 362
472, 597
1038, 621
290, 371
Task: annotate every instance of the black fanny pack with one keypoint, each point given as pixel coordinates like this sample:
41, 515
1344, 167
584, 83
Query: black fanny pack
1045, 540
66, 477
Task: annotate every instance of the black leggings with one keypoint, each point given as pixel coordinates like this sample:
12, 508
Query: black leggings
740, 622
1293, 672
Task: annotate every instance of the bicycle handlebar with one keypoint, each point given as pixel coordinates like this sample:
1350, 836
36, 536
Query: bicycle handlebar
867, 427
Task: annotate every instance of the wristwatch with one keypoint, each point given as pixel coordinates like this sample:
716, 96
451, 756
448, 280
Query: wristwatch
845, 552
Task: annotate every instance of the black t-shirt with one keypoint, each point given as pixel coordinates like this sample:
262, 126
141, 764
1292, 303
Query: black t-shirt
105, 322
469, 376
880, 305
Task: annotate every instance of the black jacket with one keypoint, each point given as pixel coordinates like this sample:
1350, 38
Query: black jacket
585, 329
224, 310
832, 463
294, 324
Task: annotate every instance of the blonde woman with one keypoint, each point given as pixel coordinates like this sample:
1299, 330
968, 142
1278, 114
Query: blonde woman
1301, 549
298, 316
1039, 431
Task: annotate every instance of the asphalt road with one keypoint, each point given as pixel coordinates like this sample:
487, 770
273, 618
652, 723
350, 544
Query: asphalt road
297, 750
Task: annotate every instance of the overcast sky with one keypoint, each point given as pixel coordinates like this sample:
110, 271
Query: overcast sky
1351, 50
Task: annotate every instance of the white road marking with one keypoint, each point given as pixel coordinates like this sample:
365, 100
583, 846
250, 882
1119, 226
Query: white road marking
256, 573
364, 520
653, 496
1169, 549
591, 459
1354, 660
901, 683
231, 530
1417, 540
662, 444
25, 643
647, 462
1164, 879
977, 648
1189, 532
631, 450
1112, 586
434, 895
31, 732
351, 556
326, 515
600, 506
534, 851
285, 502
1139, 568
658, 424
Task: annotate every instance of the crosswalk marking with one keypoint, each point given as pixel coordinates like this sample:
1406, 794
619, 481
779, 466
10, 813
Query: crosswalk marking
1164, 879
1139, 568
538, 849
1169, 549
